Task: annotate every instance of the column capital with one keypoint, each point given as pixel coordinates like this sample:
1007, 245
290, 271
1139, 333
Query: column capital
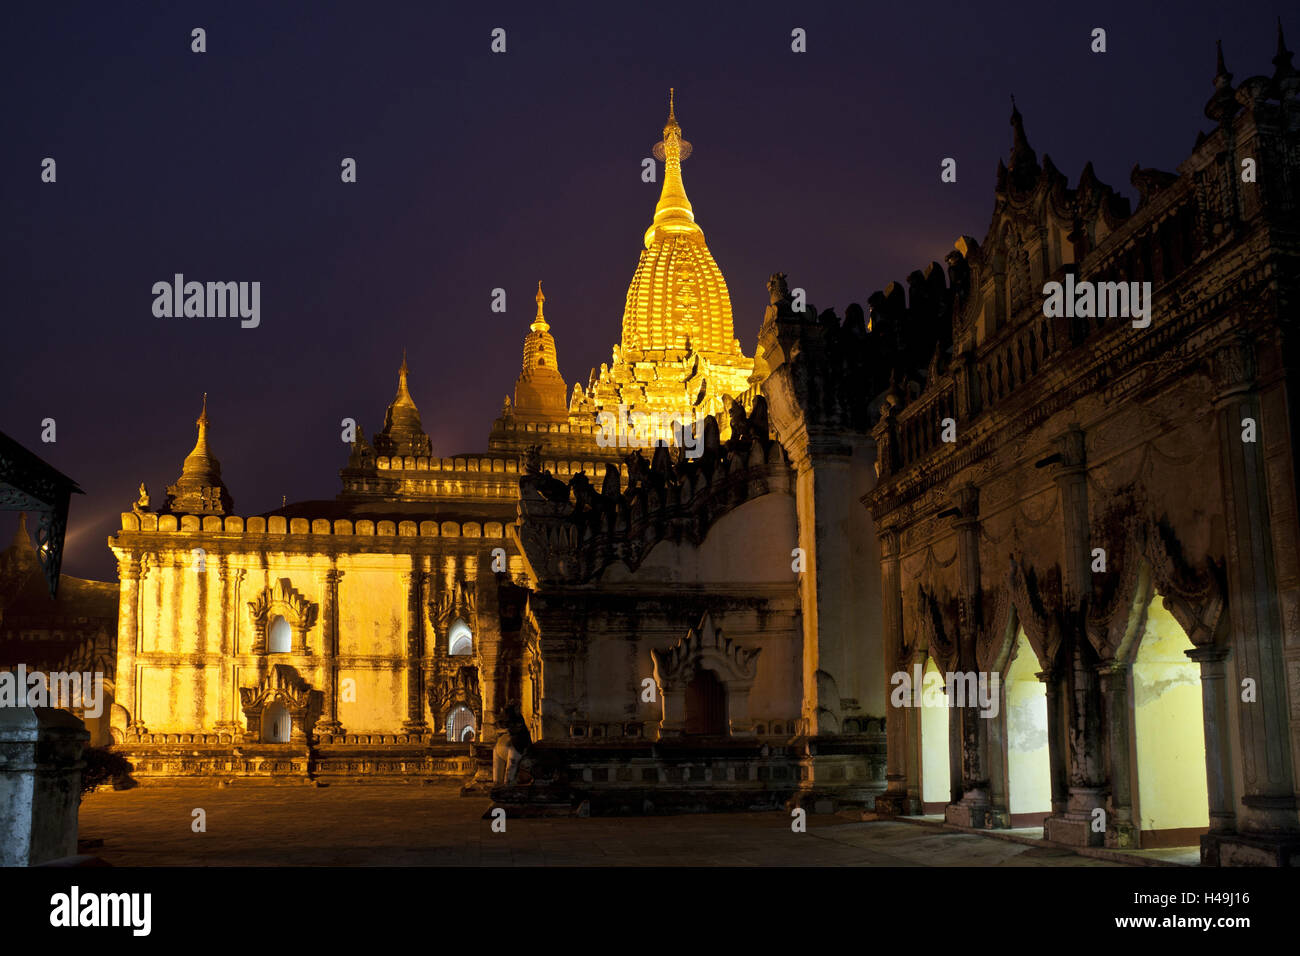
1070, 455
966, 497
1210, 653
1112, 666
1232, 365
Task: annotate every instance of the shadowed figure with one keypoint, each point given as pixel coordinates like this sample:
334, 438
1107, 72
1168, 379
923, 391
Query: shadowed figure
511, 745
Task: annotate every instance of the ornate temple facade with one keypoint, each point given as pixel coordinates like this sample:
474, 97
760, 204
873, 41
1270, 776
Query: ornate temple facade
647, 612
1082, 525
1099, 512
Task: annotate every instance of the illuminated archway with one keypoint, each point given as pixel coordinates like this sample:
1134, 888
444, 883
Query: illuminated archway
1169, 734
936, 775
460, 724
460, 640
1029, 773
279, 636
277, 724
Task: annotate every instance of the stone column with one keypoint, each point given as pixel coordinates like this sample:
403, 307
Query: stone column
1087, 786
973, 809
895, 799
230, 579
914, 752
822, 491
415, 722
1268, 781
40, 784
999, 812
1056, 756
300, 639
328, 722
125, 710
1121, 832
1218, 768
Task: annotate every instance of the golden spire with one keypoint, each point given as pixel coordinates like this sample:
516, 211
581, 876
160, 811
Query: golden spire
673, 213
197, 462
199, 489
402, 435
539, 323
403, 397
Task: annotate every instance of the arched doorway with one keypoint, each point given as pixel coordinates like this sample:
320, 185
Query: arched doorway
1029, 768
460, 724
936, 775
1169, 735
277, 723
706, 704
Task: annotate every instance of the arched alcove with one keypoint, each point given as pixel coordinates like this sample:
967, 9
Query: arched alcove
460, 640
277, 724
936, 780
1169, 734
1029, 774
279, 636
460, 724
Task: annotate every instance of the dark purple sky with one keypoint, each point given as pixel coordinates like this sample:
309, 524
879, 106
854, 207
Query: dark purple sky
479, 170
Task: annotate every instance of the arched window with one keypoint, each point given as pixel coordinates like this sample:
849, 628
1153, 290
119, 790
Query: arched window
279, 636
460, 724
460, 640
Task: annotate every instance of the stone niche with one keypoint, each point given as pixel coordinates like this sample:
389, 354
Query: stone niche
705, 649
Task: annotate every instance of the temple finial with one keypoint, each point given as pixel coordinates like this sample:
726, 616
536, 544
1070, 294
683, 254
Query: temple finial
1022, 154
539, 323
1220, 68
1282, 61
673, 211
403, 397
199, 490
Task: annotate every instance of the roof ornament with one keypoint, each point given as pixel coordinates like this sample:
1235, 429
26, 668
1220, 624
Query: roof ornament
539, 323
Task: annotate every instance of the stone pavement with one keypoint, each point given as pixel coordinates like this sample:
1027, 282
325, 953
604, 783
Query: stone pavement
413, 825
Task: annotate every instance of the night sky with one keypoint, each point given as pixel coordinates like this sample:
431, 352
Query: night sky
478, 171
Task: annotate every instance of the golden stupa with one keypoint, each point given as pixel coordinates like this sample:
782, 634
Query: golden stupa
679, 358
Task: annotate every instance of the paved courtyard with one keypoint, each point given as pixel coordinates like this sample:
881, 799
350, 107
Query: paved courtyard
413, 825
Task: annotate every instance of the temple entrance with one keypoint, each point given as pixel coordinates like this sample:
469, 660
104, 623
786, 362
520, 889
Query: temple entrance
936, 774
1169, 730
460, 724
276, 724
706, 705
1029, 773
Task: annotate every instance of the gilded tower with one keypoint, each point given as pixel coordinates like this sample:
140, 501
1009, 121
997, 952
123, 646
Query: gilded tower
540, 394
199, 490
403, 434
679, 356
